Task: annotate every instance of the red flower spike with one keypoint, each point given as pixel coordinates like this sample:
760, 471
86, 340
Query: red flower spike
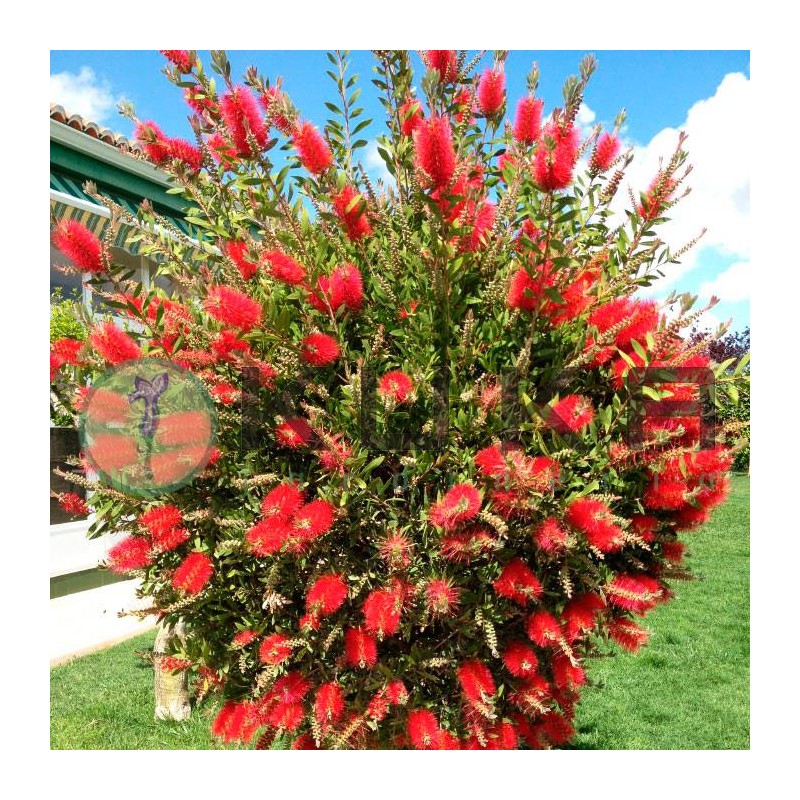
543, 629
113, 344
477, 685
628, 634
235, 723
294, 432
131, 553
445, 62
410, 116
350, 208
555, 157
520, 660
636, 593
360, 649
180, 58
396, 385
282, 501
347, 287
433, 150
275, 649
194, 573
312, 149
328, 705
595, 520
423, 729
460, 504
605, 151
242, 117
571, 414
441, 597
517, 582
233, 308
326, 595
382, 610
528, 120
79, 245
268, 537
320, 350
491, 92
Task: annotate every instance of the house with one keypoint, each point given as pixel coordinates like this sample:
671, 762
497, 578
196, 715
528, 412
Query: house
84, 599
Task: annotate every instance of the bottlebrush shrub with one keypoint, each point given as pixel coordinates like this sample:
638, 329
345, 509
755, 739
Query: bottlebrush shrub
387, 550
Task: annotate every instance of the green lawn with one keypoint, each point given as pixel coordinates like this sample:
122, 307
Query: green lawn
688, 689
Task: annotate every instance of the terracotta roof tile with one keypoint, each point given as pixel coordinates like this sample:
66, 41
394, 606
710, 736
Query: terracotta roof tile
79, 123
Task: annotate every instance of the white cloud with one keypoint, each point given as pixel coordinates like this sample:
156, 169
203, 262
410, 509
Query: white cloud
731, 285
83, 94
718, 145
375, 165
585, 116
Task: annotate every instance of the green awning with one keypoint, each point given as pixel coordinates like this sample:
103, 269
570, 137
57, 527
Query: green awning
72, 186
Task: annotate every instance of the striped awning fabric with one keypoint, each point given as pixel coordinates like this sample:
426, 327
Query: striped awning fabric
72, 187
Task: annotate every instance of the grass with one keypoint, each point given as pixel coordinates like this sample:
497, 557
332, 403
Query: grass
688, 689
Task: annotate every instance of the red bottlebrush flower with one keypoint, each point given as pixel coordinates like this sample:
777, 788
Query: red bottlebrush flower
673, 551
275, 649
266, 373
481, 218
194, 573
294, 432
113, 344
226, 344
79, 245
528, 120
244, 638
506, 161
396, 692
233, 308
460, 504
477, 684
286, 716
153, 141
284, 268
326, 595
304, 742
182, 59
282, 501
644, 525
328, 705
566, 675
557, 728
242, 117
445, 62
525, 292
550, 536
226, 393
531, 695
312, 149
405, 313
235, 723
350, 208
463, 100
319, 349
571, 414
268, 537
433, 150
441, 597
172, 664
410, 116
658, 194
520, 660
555, 157
517, 582
382, 610
689, 518
636, 593
605, 151
665, 495
580, 615
55, 365
335, 455
543, 629
360, 649
594, 519
237, 252
491, 92
161, 520
313, 520
628, 634
184, 151
291, 688
199, 102
220, 148
378, 706
73, 504
423, 729
347, 287
131, 553
396, 549
396, 385
462, 546
491, 461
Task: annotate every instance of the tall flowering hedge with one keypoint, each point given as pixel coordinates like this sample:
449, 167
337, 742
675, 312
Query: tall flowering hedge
425, 510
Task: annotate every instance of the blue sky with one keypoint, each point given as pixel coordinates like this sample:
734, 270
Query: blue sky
662, 91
